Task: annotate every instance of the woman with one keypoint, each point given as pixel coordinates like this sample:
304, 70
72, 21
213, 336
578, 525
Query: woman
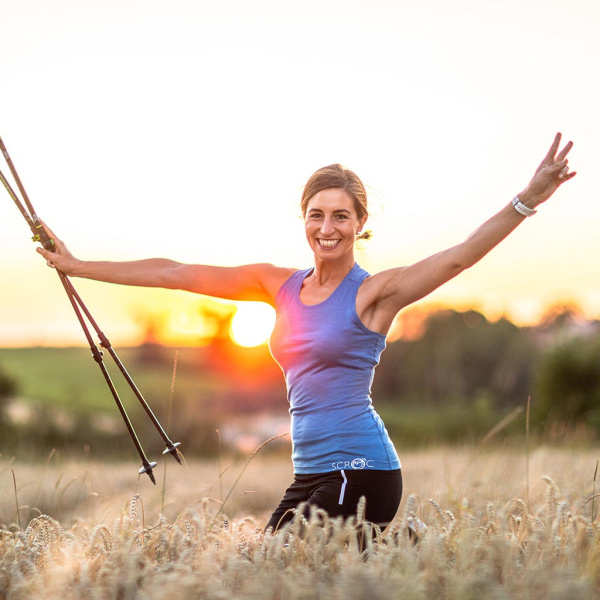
332, 320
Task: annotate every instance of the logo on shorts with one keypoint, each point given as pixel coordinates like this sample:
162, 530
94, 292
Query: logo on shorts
357, 464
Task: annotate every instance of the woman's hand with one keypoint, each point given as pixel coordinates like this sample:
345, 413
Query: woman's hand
61, 258
550, 175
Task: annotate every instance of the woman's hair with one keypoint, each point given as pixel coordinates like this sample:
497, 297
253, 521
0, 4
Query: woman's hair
337, 176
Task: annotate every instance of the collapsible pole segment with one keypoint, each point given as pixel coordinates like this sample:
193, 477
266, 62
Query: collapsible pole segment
97, 355
16, 200
105, 343
40, 235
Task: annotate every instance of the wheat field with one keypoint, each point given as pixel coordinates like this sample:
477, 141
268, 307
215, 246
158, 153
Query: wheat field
491, 523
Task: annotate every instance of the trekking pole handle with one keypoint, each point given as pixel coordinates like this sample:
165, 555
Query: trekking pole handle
41, 236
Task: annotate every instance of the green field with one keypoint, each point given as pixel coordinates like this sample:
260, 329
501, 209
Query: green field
63, 401
70, 378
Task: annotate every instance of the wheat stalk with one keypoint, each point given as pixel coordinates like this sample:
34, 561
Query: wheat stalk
16, 498
594, 490
527, 443
219, 465
271, 439
164, 485
502, 424
46, 465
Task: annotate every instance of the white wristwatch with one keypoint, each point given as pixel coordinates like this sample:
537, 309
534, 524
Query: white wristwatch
521, 208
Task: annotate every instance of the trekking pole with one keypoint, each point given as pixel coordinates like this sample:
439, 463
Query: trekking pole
97, 355
40, 235
105, 343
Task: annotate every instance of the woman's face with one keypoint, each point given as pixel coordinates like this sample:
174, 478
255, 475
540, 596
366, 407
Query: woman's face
331, 223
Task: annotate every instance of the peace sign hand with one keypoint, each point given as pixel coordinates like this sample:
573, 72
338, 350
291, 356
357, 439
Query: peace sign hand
550, 175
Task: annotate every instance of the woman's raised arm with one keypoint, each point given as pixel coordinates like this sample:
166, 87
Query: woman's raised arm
258, 282
394, 289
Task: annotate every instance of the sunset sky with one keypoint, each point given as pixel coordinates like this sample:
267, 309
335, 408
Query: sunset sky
187, 130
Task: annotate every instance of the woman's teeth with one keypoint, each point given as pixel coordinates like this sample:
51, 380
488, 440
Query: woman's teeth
328, 243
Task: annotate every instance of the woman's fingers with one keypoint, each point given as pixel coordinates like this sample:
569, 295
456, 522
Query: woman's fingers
48, 230
564, 174
43, 252
563, 153
552, 158
554, 148
47, 254
551, 173
561, 170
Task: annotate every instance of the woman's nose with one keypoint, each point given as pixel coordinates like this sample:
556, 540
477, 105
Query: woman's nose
327, 226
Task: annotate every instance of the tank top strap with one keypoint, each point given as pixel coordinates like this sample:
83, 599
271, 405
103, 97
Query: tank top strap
350, 284
357, 274
291, 287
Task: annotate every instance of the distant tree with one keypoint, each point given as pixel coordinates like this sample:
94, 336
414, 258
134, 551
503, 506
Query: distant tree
567, 383
8, 388
459, 356
8, 385
560, 314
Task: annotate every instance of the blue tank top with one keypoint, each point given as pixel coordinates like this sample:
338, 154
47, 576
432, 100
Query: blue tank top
328, 358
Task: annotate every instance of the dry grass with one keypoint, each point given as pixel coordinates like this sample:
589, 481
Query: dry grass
105, 536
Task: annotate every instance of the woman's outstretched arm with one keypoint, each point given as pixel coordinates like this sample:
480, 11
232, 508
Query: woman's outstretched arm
392, 290
258, 282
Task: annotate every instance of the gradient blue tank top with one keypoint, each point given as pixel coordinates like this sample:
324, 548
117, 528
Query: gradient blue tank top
329, 357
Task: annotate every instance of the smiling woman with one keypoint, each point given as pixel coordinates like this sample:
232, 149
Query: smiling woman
331, 327
252, 324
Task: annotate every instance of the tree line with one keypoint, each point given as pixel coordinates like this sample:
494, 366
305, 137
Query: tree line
456, 365
462, 357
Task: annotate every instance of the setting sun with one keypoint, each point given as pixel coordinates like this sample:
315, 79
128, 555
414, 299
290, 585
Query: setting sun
252, 324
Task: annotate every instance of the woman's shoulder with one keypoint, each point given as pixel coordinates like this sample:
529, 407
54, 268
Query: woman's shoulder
371, 301
273, 277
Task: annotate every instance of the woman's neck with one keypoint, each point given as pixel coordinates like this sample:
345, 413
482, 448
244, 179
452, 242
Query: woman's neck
327, 272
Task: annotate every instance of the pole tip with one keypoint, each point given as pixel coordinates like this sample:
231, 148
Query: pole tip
147, 468
172, 449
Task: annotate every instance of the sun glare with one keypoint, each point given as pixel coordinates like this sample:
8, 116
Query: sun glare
252, 324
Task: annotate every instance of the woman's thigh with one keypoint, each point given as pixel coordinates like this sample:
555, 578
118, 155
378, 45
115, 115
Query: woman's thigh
382, 491
338, 494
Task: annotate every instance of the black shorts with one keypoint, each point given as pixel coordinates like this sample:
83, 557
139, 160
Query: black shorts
338, 493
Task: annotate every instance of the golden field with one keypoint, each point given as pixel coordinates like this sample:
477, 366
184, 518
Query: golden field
89, 530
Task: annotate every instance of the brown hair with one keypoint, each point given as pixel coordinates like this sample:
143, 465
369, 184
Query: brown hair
337, 176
